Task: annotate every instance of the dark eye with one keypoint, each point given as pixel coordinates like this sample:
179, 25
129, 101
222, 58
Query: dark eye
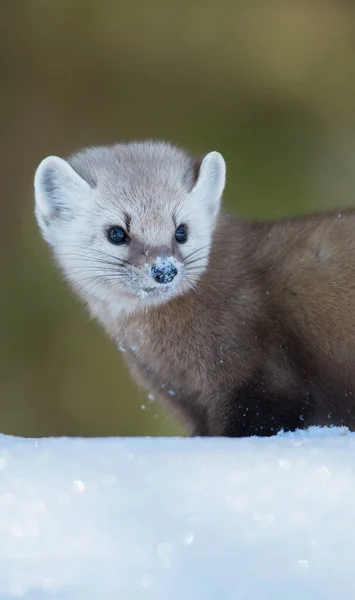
117, 235
181, 234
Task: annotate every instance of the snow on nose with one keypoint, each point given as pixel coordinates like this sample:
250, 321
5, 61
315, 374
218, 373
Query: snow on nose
163, 270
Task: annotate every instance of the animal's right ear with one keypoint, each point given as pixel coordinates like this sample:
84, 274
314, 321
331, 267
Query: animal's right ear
210, 176
57, 189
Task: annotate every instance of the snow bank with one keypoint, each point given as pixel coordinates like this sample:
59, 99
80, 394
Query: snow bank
173, 519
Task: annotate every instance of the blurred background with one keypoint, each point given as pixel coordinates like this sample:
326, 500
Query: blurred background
270, 84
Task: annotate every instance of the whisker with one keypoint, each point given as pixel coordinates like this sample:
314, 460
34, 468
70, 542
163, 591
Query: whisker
87, 258
196, 260
102, 253
85, 287
98, 268
197, 250
119, 261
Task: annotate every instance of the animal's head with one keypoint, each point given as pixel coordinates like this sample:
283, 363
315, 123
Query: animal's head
132, 220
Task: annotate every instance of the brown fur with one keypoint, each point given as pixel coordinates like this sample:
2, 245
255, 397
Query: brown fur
266, 341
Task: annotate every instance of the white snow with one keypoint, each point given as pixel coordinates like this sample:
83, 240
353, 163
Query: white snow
178, 519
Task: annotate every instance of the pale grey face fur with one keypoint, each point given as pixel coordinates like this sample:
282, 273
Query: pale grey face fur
148, 189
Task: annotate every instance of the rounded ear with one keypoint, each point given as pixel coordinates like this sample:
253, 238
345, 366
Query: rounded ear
210, 181
57, 189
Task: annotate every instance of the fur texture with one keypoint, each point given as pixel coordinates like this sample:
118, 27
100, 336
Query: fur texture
255, 333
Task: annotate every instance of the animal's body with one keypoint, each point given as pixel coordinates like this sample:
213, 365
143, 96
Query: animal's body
242, 327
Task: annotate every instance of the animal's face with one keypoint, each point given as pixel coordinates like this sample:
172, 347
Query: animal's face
134, 221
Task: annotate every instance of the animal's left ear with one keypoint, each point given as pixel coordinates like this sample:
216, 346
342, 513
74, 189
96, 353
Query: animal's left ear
58, 190
210, 181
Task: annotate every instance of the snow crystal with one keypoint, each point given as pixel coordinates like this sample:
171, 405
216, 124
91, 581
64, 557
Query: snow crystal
216, 519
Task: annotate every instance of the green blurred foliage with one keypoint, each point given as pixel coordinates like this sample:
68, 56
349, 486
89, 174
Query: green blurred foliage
270, 84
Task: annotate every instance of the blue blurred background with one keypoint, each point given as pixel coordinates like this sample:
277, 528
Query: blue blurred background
270, 84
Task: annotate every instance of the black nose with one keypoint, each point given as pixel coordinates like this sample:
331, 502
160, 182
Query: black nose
163, 272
